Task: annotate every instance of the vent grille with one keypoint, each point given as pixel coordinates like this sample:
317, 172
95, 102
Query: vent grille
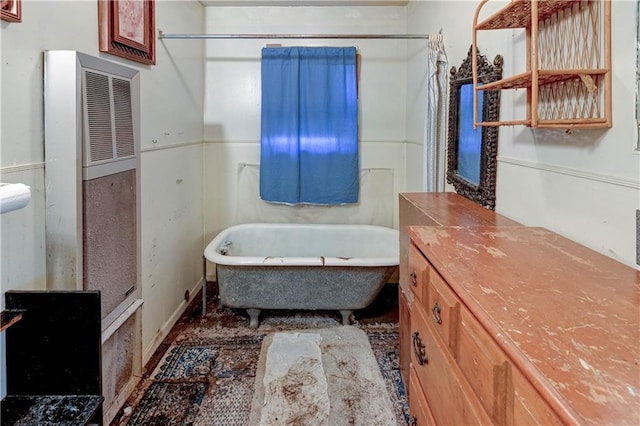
98, 108
109, 145
123, 118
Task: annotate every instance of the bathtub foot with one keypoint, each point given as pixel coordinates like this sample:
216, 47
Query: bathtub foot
254, 314
346, 317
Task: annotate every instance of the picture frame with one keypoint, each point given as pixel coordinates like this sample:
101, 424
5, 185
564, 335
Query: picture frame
127, 29
472, 152
11, 10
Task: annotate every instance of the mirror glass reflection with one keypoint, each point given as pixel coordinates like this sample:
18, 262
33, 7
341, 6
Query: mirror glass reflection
470, 139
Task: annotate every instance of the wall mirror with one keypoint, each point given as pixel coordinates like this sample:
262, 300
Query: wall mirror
471, 153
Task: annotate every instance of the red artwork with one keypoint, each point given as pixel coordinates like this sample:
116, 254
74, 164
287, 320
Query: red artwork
131, 20
127, 29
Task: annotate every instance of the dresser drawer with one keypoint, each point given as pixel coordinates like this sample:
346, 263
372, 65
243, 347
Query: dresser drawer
418, 269
448, 394
443, 307
485, 367
528, 407
418, 406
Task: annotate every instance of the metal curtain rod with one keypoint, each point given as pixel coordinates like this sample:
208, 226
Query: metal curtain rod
161, 34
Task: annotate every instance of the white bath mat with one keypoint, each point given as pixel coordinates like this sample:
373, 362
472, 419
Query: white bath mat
289, 380
295, 387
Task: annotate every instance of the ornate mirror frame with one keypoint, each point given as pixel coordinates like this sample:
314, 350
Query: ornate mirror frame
482, 192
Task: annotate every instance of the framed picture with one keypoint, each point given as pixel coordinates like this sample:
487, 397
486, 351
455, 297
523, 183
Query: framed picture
127, 29
11, 10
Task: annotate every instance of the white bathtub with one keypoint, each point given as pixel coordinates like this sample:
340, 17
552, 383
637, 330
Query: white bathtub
295, 266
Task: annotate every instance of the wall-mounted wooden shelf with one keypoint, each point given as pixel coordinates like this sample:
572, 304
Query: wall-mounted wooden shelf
568, 62
518, 14
524, 80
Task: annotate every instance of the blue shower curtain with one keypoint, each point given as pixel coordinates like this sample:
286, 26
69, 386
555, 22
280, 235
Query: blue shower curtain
309, 128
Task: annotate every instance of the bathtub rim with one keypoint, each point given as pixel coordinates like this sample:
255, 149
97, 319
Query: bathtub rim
212, 255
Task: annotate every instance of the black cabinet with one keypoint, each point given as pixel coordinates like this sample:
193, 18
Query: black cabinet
53, 359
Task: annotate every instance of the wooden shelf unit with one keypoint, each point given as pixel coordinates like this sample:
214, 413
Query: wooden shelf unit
568, 84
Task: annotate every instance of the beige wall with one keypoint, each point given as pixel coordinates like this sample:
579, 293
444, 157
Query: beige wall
171, 150
232, 104
584, 185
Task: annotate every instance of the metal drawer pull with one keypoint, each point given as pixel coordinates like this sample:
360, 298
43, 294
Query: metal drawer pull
436, 313
419, 349
414, 279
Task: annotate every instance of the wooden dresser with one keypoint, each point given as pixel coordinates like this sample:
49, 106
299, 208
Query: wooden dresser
518, 325
434, 209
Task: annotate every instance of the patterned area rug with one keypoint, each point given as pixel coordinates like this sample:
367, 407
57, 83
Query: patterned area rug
206, 376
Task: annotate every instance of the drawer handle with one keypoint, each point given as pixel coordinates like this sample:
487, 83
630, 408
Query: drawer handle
414, 278
436, 313
419, 349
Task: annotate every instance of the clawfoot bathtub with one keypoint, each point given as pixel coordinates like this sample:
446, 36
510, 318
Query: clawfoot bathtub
309, 267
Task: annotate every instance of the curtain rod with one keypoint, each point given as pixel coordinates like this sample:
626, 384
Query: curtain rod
161, 34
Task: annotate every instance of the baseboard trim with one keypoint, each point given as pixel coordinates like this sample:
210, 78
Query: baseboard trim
148, 352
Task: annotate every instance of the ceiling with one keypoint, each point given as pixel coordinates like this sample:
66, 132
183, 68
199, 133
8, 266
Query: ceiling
254, 3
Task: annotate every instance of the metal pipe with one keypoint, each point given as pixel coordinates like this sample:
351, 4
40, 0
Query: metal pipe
204, 286
161, 35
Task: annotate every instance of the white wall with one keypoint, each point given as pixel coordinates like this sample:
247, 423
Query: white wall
584, 185
454, 19
232, 104
172, 172
171, 156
